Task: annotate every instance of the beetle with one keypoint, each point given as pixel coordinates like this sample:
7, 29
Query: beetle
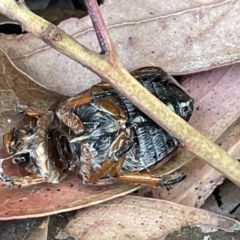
101, 135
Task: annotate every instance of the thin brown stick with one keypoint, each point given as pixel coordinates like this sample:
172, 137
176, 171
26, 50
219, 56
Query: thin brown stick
120, 79
105, 42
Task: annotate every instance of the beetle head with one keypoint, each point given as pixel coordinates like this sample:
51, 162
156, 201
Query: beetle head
179, 102
42, 150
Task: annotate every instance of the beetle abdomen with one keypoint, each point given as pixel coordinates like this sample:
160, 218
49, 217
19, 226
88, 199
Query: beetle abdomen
152, 143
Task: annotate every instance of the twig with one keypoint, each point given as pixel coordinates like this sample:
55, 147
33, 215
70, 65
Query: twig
113, 71
105, 42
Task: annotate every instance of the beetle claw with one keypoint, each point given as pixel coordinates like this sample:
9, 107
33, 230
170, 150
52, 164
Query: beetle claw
171, 179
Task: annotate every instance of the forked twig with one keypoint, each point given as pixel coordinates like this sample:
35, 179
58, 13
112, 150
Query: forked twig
110, 68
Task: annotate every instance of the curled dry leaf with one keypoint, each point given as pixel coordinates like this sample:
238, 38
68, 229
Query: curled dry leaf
141, 218
181, 37
217, 105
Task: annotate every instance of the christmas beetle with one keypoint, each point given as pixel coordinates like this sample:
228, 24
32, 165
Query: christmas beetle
100, 135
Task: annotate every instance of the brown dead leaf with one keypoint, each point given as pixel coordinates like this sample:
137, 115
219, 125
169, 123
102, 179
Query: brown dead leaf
216, 115
16, 88
47, 199
181, 37
142, 218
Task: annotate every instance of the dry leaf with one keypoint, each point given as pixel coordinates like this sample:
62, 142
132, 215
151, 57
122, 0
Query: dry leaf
225, 200
212, 206
142, 218
17, 88
181, 37
47, 199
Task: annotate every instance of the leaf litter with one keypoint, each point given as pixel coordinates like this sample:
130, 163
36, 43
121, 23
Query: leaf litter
198, 50
132, 217
181, 38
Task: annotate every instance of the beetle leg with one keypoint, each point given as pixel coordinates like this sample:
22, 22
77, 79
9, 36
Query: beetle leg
99, 97
86, 171
146, 179
115, 170
31, 111
108, 105
95, 92
7, 139
26, 181
71, 120
35, 113
14, 138
116, 153
115, 158
108, 164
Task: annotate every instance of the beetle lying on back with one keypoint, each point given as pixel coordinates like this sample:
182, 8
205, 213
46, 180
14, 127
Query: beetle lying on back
100, 135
